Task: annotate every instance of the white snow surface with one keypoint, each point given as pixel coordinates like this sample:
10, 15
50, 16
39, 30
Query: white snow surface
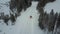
4, 6
53, 5
24, 24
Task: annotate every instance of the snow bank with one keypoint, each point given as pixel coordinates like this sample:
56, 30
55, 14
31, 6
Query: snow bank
54, 5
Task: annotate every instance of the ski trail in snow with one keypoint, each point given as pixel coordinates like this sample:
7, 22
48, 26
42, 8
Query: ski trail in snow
25, 25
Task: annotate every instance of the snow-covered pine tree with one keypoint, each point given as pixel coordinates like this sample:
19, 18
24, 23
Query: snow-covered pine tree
55, 23
58, 23
51, 20
6, 19
12, 18
40, 22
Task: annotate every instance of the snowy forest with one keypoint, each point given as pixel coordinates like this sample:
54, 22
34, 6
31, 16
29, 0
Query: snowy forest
29, 17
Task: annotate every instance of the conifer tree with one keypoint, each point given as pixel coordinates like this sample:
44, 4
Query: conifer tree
51, 21
6, 19
40, 22
58, 20
12, 18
